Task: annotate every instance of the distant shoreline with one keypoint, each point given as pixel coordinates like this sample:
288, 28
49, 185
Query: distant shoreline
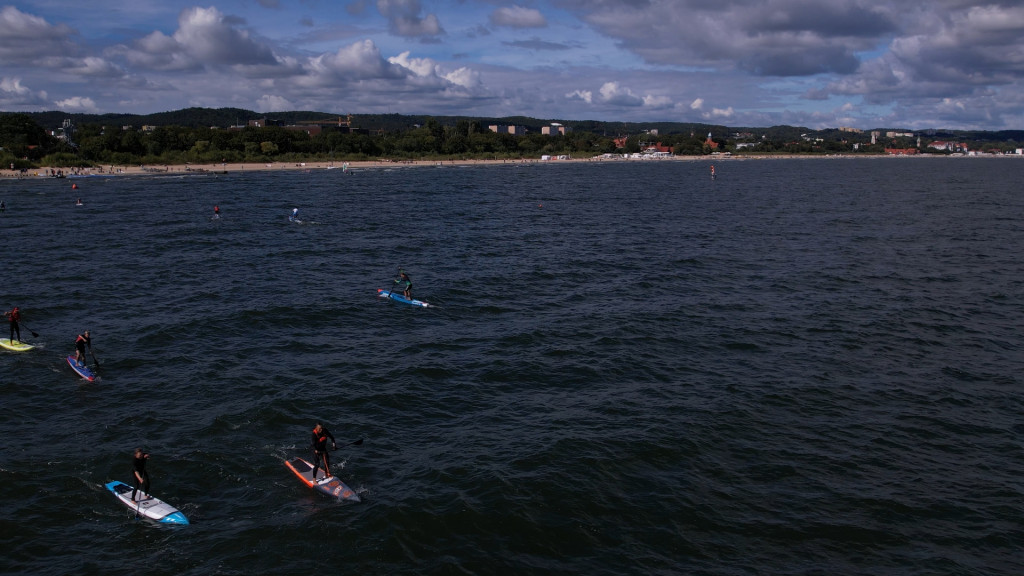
230, 167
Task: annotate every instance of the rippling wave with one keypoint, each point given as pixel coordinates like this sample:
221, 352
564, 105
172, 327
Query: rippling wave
802, 367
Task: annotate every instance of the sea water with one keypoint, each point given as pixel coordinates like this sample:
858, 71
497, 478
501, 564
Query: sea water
804, 366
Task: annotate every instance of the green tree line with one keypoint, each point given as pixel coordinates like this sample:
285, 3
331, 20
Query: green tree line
25, 144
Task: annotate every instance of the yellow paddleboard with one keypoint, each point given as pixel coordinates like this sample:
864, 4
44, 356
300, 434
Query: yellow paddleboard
16, 345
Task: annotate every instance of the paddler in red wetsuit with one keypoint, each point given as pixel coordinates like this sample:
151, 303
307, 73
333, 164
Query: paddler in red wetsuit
14, 316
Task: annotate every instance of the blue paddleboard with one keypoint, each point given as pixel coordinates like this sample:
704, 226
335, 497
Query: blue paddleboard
398, 297
82, 369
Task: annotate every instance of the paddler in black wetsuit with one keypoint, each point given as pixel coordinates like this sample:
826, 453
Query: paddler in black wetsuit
139, 474
81, 341
321, 457
404, 280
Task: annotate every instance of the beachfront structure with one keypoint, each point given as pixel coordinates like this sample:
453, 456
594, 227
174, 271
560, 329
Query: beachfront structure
658, 149
948, 146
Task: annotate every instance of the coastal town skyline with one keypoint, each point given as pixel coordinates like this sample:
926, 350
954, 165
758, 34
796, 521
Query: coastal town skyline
912, 64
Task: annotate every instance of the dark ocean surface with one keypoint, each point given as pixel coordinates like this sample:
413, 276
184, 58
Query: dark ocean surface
802, 367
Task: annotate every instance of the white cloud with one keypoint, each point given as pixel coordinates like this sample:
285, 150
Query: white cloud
427, 72
15, 96
404, 18
418, 66
584, 95
613, 93
651, 101
721, 113
518, 17
12, 86
206, 36
96, 68
464, 78
358, 61
29, 40
814, 63
78, 104
271, 103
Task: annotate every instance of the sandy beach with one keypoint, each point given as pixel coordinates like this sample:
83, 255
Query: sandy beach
107, 170
308, 166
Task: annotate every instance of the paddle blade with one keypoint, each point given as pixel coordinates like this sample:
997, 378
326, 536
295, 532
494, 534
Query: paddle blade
358, 442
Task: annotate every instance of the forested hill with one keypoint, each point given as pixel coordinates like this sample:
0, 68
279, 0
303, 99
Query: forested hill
225, 117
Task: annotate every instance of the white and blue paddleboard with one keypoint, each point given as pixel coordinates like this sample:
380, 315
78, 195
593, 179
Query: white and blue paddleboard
398, 297
146, 504
82, 369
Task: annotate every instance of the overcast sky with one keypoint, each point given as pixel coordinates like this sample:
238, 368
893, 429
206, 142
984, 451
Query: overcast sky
910, 64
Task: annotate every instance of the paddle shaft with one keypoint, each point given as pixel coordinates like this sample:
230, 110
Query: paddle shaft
30, 331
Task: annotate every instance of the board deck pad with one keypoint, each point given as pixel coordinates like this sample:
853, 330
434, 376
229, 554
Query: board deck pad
15, 345
82, 369
331, 485
146, 504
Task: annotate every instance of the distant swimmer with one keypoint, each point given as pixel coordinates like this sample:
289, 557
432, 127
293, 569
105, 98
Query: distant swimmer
78, 202
3, 206
295, 215
712, 171
216, 212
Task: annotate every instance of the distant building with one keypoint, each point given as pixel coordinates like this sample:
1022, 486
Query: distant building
513, 130
554, 128
311, 129
711, 143
65, 132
